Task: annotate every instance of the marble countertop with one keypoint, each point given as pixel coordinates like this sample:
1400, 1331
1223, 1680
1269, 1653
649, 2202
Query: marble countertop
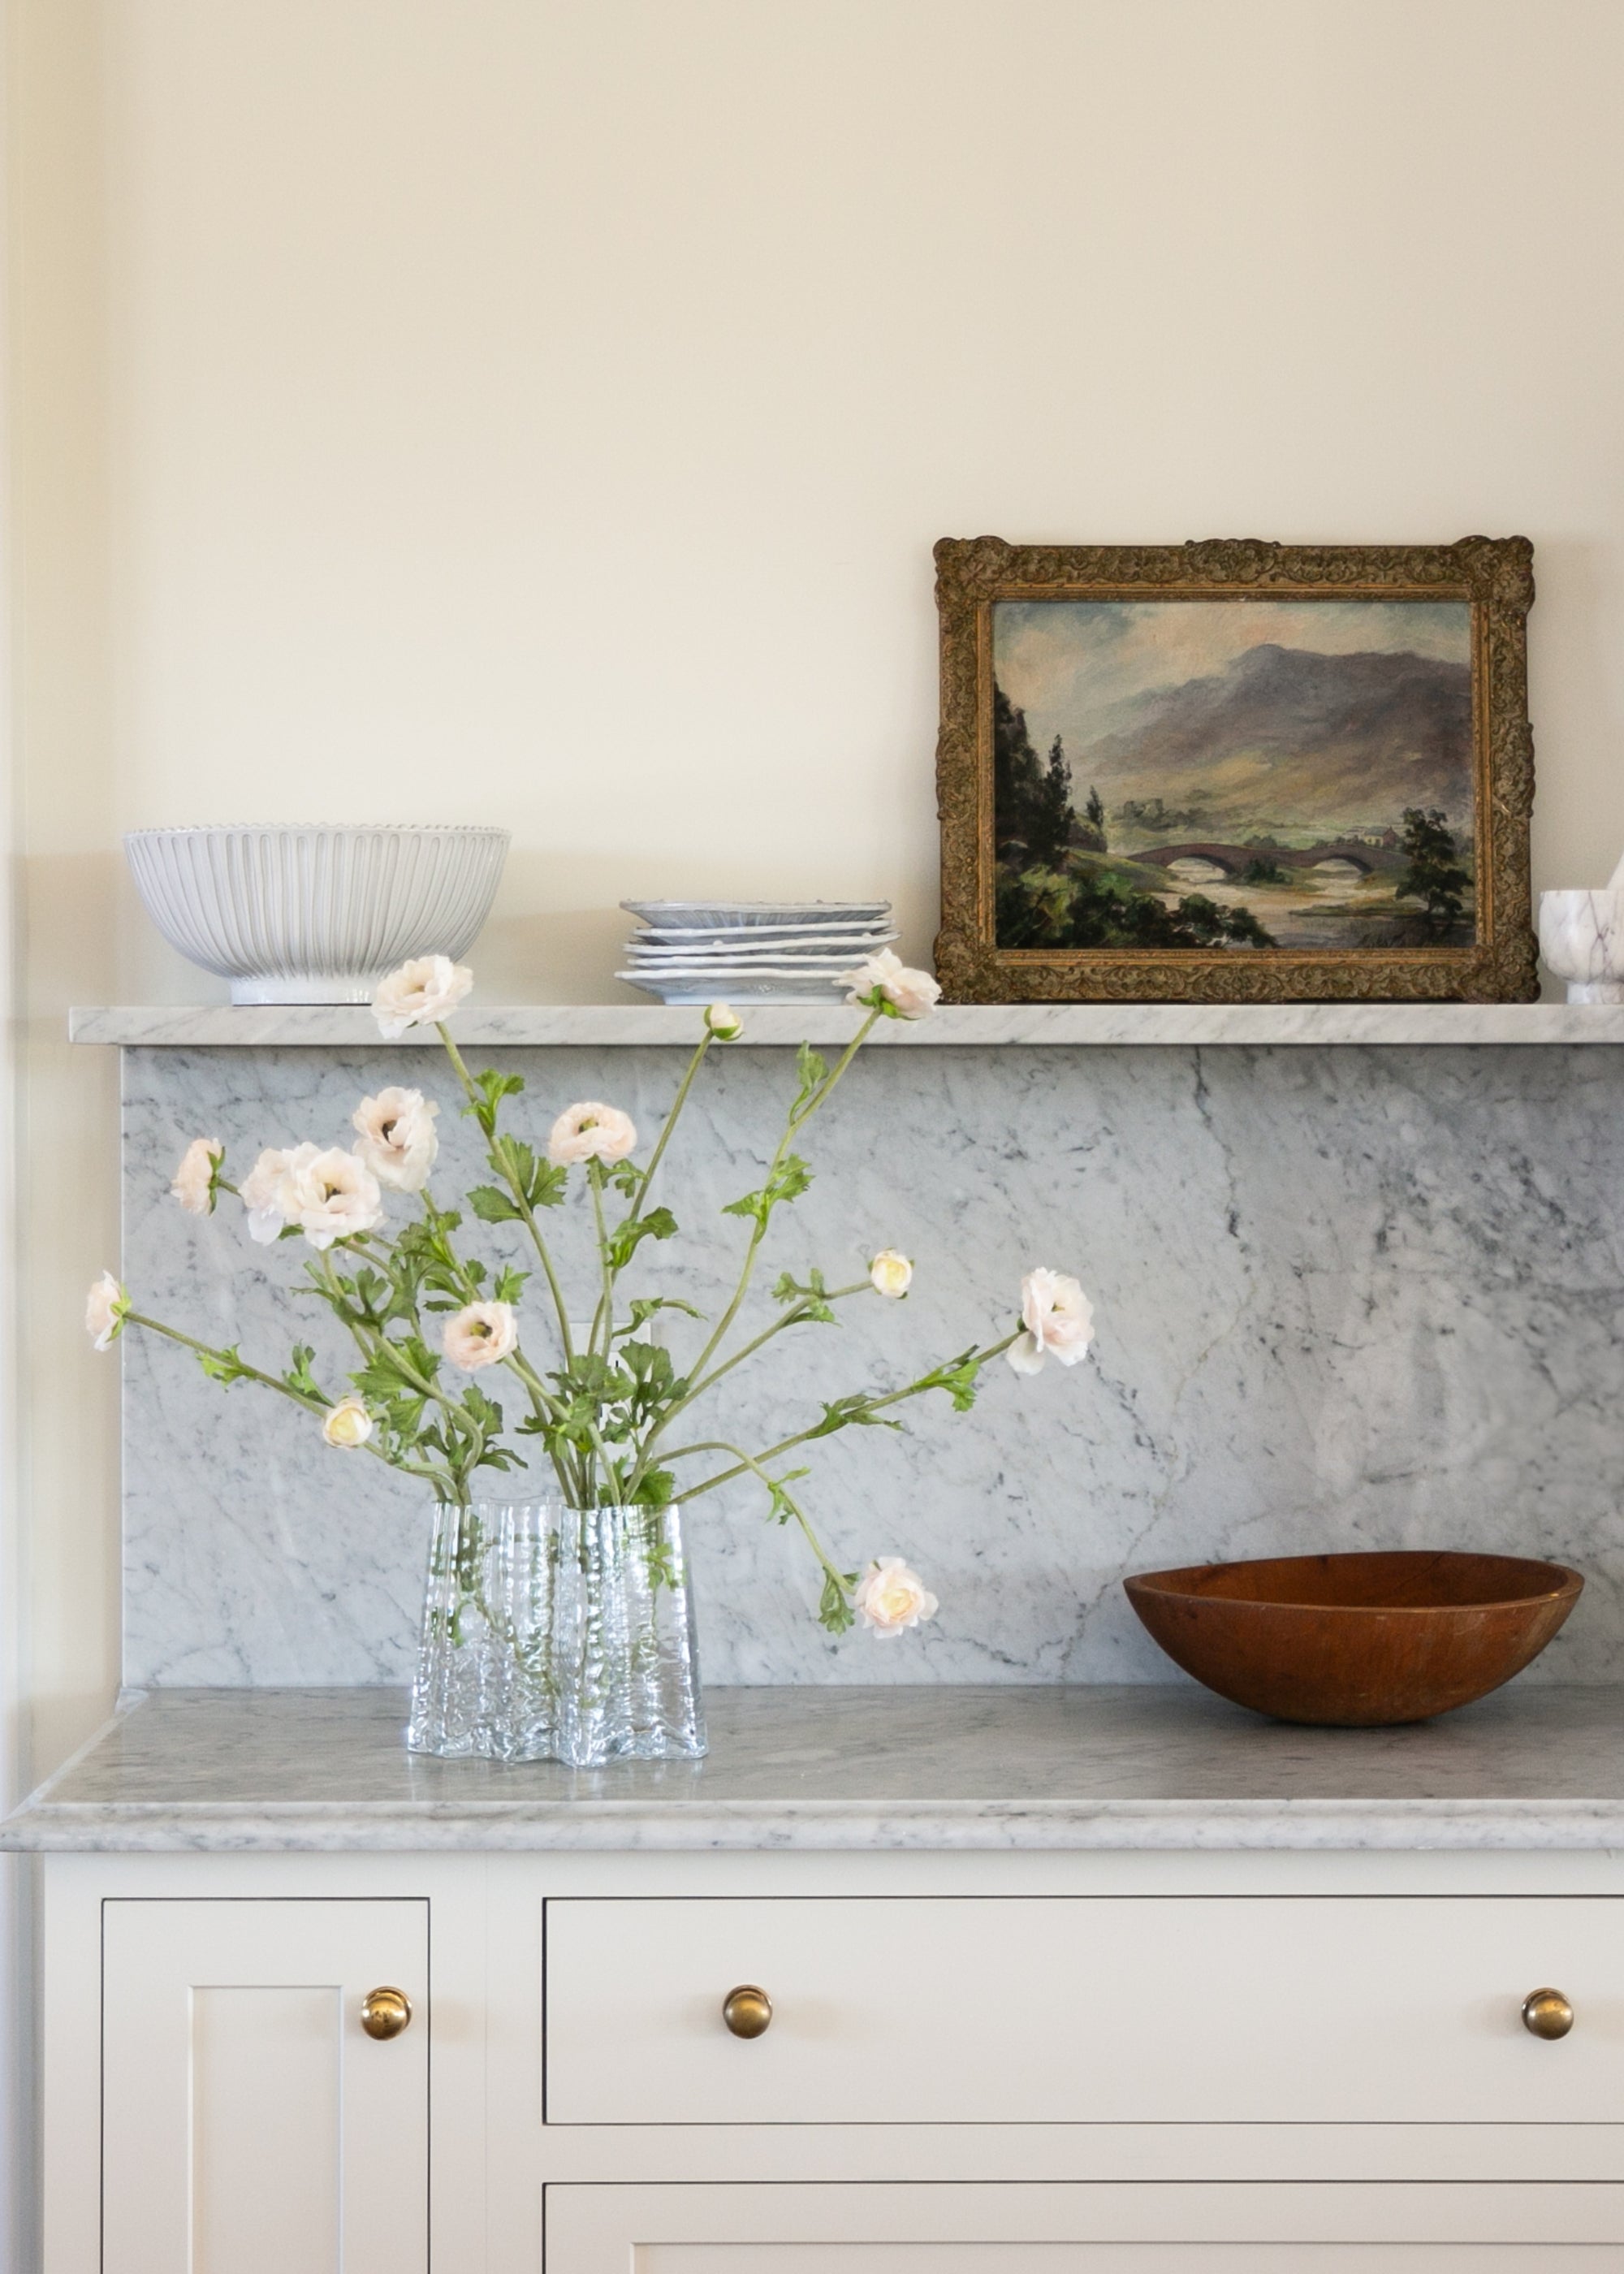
781, 1025
1121, 1766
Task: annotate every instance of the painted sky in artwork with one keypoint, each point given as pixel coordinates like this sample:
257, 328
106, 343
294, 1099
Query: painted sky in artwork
1077, 669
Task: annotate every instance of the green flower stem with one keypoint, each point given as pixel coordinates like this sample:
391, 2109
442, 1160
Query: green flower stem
315, 1405
793, 1317
747, 1461
545, 1411
664, 1139
603, 1317
927, 1382
498, 1160
796, 1123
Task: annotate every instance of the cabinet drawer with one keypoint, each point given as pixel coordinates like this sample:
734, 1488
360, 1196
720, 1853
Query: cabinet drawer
955, 2228
1331, 2010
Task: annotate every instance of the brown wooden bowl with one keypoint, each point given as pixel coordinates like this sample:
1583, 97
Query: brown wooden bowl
1356, 1641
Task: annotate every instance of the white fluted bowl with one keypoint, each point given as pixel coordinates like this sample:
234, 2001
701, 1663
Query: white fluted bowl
315, 916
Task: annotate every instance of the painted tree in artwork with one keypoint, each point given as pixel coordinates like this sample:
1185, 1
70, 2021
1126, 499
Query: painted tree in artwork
1048, 831
1089, 834
1434, 873
1016, 774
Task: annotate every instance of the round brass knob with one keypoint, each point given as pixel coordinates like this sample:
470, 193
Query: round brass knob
386, 2012
747, 2010
1547, 2013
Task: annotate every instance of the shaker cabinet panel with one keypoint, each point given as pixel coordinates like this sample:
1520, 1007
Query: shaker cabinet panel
250, 2123
1251, 2009
1068, 2229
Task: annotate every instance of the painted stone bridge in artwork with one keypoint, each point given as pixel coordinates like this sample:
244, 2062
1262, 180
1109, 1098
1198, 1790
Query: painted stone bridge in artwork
1232, 859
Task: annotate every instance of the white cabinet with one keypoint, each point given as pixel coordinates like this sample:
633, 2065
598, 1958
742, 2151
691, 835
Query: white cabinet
250, 2124
1089, 2064
958, 2228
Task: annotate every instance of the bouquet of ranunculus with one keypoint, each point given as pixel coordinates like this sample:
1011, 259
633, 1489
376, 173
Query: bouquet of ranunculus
433, 1326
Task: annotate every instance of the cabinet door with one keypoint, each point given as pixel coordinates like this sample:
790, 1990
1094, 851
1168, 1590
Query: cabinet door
248, 2124
1071, 2229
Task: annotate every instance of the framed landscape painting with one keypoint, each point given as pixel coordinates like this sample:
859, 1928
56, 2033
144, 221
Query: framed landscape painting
1235, 771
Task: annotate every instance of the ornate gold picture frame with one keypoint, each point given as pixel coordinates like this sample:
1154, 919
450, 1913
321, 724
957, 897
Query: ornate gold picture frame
1235, 771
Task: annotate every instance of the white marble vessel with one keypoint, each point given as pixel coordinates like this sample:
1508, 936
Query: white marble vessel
1582, 940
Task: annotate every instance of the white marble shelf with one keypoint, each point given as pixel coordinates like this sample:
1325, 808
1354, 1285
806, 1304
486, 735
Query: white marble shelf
971, 1767
608, 1026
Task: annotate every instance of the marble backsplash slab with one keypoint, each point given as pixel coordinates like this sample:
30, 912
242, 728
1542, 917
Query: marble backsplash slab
1345, 1298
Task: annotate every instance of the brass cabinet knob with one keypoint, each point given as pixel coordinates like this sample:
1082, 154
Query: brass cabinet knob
747, 2010
1547, 2013
386, 2012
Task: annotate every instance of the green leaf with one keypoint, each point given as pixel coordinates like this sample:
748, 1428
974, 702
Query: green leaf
856, 1412
494, 1207
656, 1489
834, 1609
788, 1288
299, 1377
509, 1284
646, 1306
787, 1182
224, 1367
624, 1241
490, 1089
960, 1377
627, 1178
813, 1073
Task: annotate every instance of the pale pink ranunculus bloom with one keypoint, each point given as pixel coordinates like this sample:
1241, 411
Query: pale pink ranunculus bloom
193, 1182
910, 994
422, 993
1058, 1319
480, 1333
890, 1598
333, 1195
590, 1132
104, 1311
268, 1191
349, 1425
891, 1273
398, 1140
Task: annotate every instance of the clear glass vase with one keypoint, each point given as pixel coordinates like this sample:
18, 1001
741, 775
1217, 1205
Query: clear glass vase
555, 1633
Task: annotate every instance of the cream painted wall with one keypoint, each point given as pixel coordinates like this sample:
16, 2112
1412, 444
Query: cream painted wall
540, 411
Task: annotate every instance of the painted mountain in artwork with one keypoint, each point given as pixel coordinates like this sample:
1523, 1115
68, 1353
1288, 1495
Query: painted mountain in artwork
1301, 740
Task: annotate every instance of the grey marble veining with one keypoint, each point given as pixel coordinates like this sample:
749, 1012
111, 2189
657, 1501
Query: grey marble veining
953, 1025
1345, 1298
1127, 1766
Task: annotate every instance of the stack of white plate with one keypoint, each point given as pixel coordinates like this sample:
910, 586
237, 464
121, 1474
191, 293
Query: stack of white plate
752, 951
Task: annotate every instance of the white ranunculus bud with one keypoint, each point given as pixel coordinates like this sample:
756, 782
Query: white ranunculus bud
891, 1273
422, 993
890, 1598
105, 1306
480, 1333
590, 1132
349, 1425
399, 1143
193, 1182
1058, 1317
883, 980
723, 1021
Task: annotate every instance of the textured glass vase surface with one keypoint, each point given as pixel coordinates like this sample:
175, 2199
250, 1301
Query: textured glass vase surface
555, 1633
